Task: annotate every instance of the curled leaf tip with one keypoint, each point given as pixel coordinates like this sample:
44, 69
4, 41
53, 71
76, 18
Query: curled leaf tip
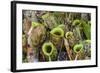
76, 22
69, 34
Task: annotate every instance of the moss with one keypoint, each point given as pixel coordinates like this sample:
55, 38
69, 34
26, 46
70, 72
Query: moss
24, 40
49, 20
87, 48
34, 24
